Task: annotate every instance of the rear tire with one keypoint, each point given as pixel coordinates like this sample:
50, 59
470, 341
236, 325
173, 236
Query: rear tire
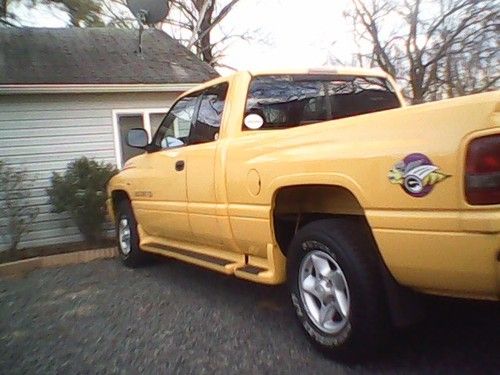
336, 287
127, 236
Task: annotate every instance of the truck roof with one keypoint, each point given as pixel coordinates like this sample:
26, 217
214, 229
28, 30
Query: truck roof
324, 70
313, 71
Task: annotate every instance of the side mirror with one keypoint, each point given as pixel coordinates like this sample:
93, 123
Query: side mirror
137, 138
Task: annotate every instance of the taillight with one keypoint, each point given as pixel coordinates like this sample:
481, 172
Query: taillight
482, 178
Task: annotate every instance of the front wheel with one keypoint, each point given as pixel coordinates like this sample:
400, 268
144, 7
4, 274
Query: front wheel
336, 288
128, 236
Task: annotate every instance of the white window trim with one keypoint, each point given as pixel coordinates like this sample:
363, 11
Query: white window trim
145, 113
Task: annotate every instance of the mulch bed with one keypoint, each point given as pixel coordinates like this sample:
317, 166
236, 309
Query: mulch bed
70, 247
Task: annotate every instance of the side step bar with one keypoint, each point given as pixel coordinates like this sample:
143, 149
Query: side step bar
270, 270
254, 270
225, 266
204, 257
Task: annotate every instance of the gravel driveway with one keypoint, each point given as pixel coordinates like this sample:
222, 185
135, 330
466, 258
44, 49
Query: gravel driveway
172, 318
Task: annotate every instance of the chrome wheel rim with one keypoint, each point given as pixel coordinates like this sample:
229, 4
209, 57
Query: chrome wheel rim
324, 291
124, 235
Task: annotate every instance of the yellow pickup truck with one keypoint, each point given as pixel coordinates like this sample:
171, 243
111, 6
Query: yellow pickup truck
324, 179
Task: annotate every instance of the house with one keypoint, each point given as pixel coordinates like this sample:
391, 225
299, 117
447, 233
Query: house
67, 93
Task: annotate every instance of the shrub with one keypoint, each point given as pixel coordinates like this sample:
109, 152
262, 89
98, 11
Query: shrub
14, 195
81, 192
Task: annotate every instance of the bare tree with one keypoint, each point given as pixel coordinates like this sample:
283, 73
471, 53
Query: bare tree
3, 8
82, 13
194, 23
6, 17
17, 214
437, 48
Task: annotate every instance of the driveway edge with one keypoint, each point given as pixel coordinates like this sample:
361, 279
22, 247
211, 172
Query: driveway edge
21, 267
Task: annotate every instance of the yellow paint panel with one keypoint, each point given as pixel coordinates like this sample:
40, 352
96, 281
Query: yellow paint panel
414, 220
207, 230
248, 211
175, 225
252, 235
450, 263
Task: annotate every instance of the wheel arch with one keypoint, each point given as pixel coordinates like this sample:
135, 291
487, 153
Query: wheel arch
118, 196
293, 206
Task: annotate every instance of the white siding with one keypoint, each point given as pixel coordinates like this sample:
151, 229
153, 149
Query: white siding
41, 134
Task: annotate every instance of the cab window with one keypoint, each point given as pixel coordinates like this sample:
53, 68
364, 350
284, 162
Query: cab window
175, 127
193, 119
285, 101
208, 121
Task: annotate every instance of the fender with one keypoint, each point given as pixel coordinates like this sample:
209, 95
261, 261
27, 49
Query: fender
328, 179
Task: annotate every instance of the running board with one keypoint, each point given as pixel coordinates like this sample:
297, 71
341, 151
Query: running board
270, 270
225, 266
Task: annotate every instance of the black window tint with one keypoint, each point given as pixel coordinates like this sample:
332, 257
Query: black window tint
209, 116
361, 95
287, 101
283, 102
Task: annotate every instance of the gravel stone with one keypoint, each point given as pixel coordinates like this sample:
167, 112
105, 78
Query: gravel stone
174, 318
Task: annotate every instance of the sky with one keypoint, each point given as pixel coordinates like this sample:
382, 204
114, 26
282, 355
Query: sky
299, 33
287, 33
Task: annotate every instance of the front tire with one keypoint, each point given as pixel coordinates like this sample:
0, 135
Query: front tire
127, 236
336, 288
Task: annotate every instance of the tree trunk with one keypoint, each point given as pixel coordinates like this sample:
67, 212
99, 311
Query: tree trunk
3, 8
204, 40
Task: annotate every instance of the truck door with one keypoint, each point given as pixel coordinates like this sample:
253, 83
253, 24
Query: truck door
161, 201
200, 167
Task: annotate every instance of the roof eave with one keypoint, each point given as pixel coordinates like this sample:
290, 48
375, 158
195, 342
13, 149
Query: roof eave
12, 89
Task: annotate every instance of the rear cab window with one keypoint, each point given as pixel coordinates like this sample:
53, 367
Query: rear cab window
285, 101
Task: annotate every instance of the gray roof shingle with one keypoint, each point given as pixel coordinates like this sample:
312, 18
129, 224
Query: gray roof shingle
96, 56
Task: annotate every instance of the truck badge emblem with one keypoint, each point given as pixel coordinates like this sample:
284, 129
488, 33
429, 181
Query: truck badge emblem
416, 174
144, 194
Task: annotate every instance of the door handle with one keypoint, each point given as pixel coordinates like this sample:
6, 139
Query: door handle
179, 165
